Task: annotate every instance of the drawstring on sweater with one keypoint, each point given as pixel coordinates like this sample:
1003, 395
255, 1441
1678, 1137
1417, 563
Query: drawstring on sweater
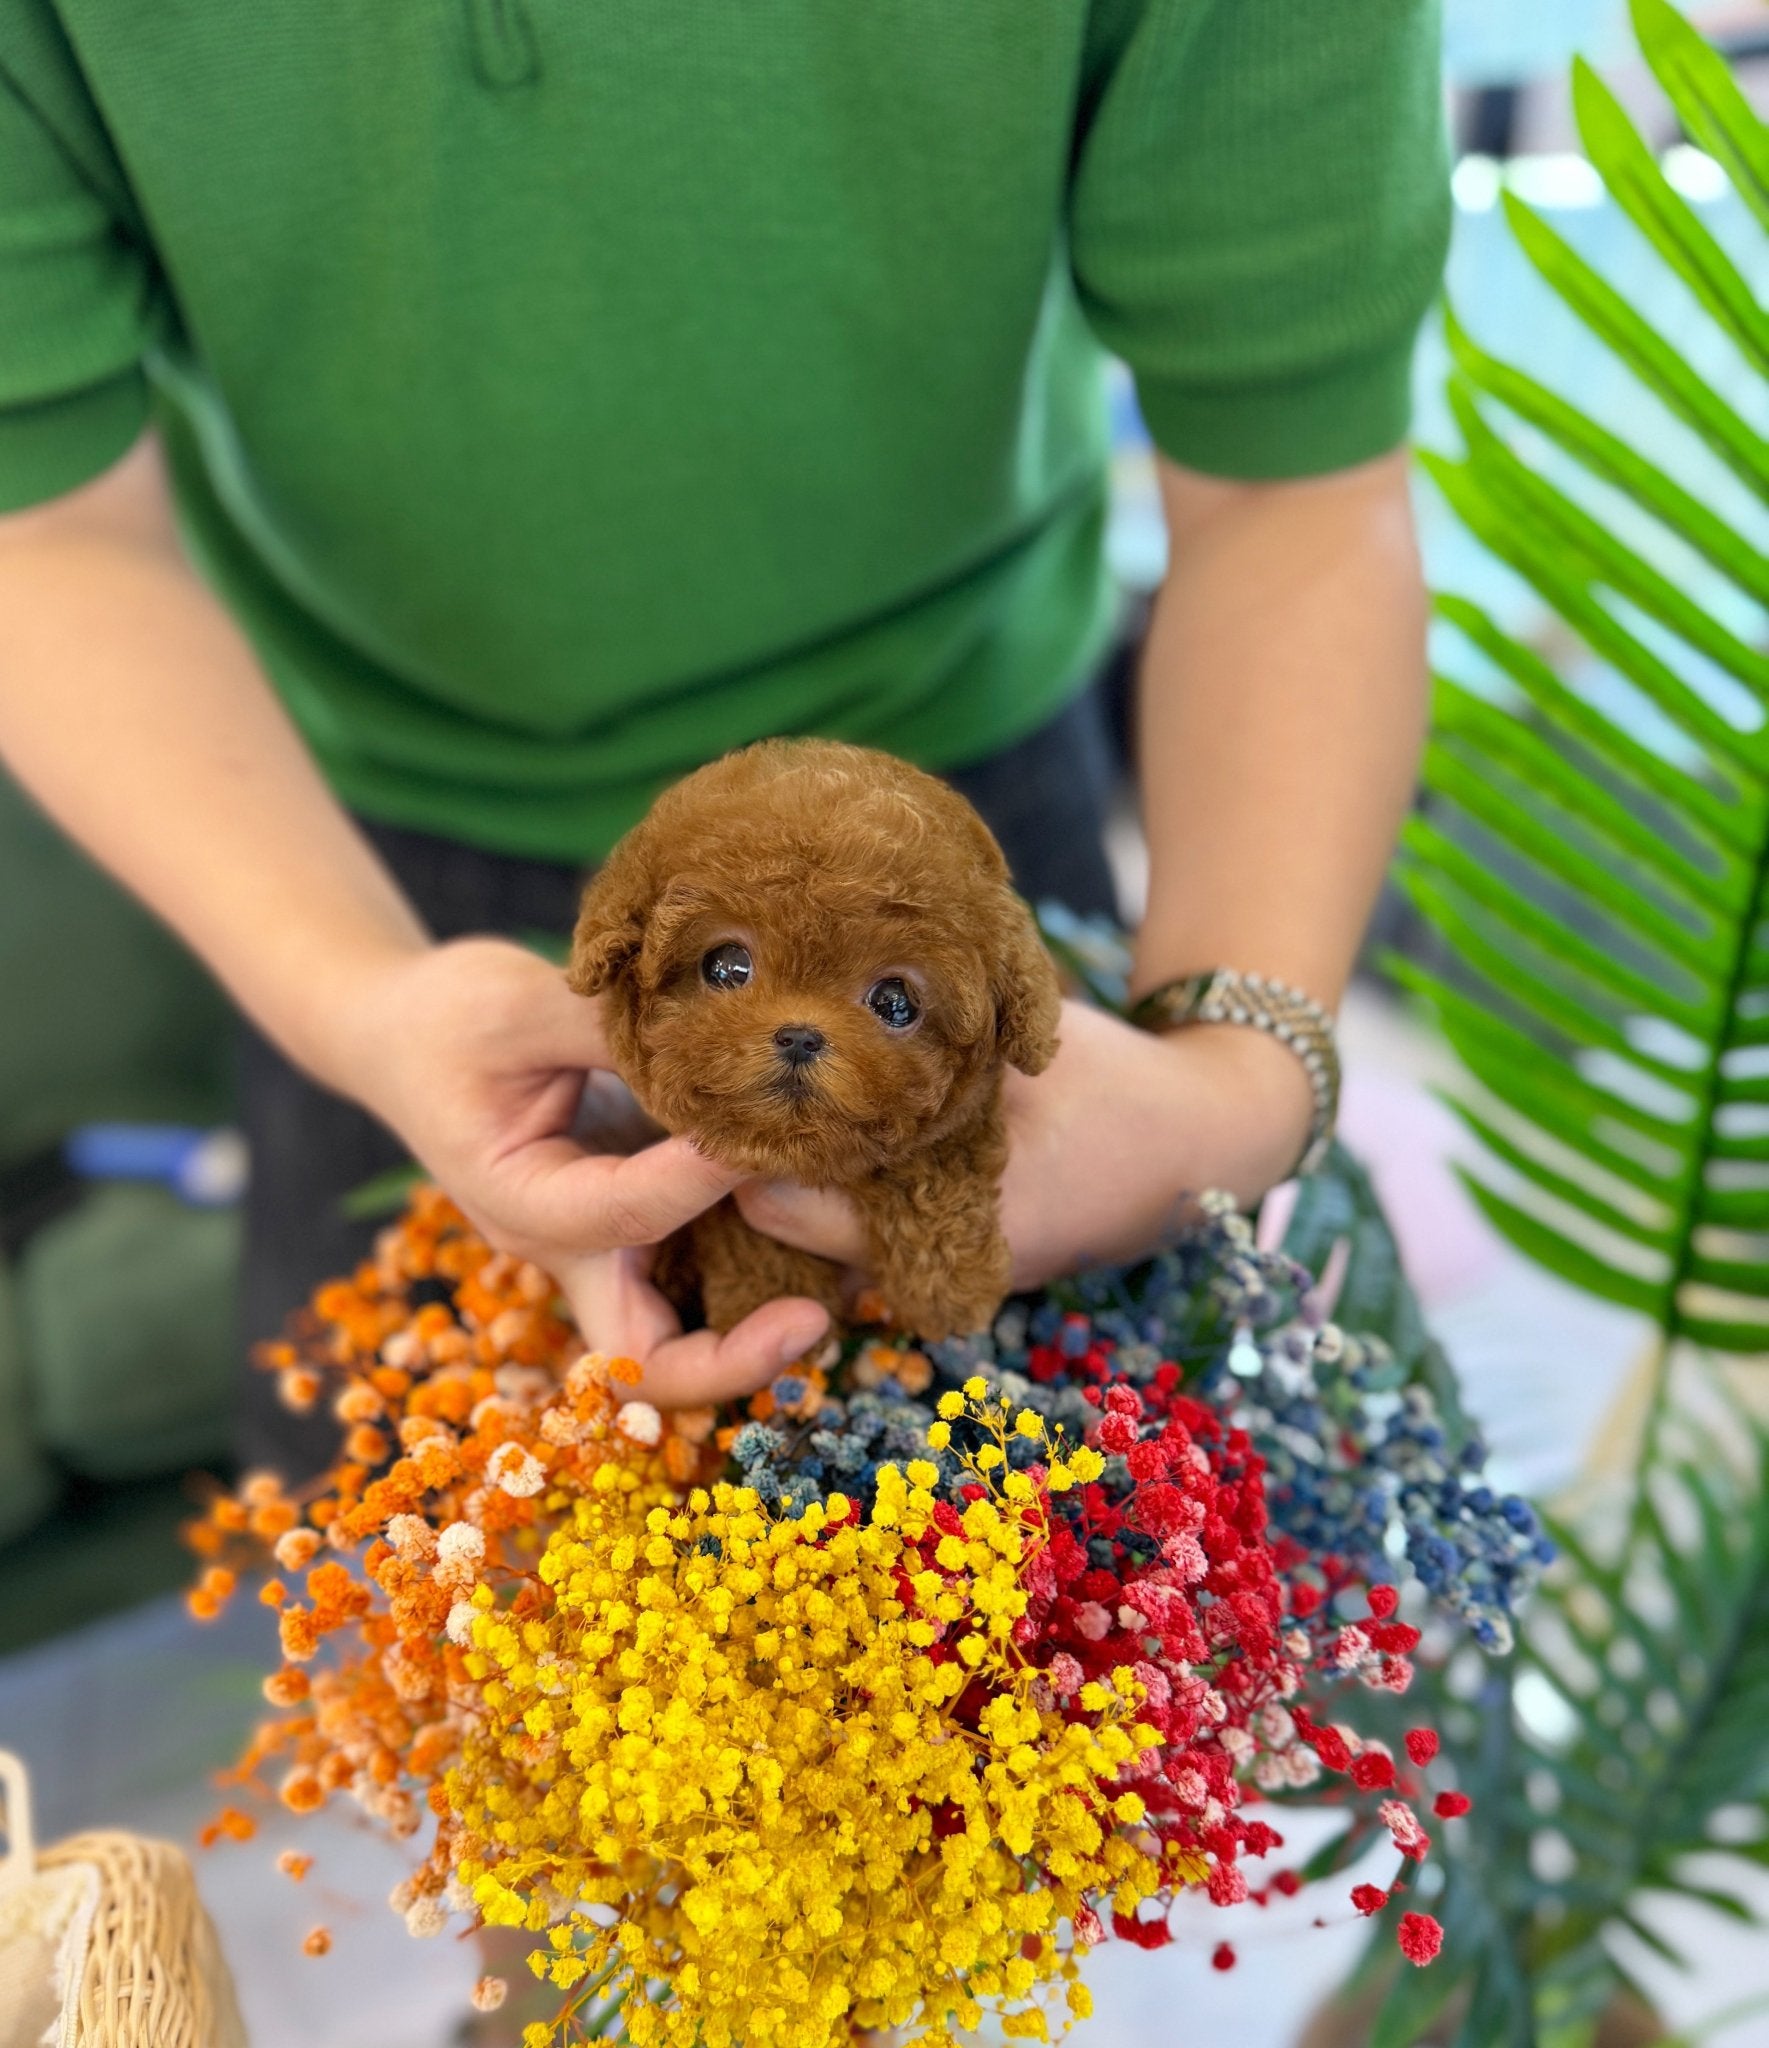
501, 39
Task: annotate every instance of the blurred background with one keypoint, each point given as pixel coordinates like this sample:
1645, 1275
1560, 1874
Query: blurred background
118, 1232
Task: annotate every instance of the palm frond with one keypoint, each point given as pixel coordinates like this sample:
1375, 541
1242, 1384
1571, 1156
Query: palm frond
1595, 848
1595, 858
1629, 1731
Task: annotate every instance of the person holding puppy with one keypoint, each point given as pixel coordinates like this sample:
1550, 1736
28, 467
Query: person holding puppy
425, 433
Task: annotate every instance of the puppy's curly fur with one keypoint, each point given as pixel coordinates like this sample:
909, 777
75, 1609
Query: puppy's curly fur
815, 966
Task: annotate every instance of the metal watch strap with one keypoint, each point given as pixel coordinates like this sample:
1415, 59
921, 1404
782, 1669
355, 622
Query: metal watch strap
1223, 995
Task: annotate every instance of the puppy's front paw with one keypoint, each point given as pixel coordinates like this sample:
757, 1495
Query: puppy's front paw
740, 1270
933, 1294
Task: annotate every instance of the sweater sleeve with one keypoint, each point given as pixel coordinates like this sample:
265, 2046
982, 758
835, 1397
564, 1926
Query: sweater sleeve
76, 312
1259, 212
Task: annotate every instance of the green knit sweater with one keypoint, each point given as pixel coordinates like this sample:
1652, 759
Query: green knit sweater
561, 392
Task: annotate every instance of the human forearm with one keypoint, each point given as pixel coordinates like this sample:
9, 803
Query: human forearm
133, 710
1282, 708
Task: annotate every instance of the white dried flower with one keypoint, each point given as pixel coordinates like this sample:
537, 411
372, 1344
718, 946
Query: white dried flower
1403, 1824
404, 1672
1302, 1767
560, 1426
459, 1625
1351, 1648
1277, 1726
517, 1472
585, 1373
425, 1917
639, 1423
403, 1350
412, 1538
489, 1993
460, 1550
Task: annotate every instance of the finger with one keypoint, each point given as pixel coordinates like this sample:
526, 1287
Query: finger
703, 1367
810, 1219
595, 1201
607, 1118
559, 1023
617, 1309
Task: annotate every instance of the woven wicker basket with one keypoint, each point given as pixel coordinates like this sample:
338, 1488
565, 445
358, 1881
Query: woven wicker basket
104, 1942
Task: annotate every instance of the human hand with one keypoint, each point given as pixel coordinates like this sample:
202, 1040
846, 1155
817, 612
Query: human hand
1106, 1147
477, 1054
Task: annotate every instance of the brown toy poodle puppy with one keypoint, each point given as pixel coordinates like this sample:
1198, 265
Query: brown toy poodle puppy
816, 967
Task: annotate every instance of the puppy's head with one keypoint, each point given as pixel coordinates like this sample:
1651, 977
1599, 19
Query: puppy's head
813, 960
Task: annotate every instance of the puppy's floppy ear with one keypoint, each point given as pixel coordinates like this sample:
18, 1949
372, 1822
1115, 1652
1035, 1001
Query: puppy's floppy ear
610, 921
1028, 997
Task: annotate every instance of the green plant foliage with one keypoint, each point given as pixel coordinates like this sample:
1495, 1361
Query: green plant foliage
1629, 1731
1606, 901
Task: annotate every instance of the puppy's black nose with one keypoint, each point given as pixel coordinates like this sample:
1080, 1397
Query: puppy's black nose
799, 1044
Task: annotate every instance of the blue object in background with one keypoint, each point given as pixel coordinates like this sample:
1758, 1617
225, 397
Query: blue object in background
204, 1168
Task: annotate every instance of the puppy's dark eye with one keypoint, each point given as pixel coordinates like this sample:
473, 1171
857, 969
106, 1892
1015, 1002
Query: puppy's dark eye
892, 1004
726, 967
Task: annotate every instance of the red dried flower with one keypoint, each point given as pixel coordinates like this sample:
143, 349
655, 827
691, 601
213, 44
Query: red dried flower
1420, 1938
1369, 1899
1141, 1933
1383, 1601
1372, 1771
1421, 1745
1223, 1957
1450, 1805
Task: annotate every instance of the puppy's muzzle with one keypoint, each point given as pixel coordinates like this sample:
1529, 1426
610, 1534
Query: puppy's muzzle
799, 1046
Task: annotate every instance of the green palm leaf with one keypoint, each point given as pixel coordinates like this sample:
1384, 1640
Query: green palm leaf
1604, 893
1594, 858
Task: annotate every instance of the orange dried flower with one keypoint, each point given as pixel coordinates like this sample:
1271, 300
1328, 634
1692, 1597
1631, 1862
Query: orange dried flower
298, 1387
272, 1519
366, 1444
302, 1792
318, 1943
448, 1477
299, 1632
296, 1550
287, 1687
293, 1864
228, 1825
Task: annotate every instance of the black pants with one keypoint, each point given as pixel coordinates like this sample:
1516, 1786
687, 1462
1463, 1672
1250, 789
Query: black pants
1044, 798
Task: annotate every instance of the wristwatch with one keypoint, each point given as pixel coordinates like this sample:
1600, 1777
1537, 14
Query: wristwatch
1225, 995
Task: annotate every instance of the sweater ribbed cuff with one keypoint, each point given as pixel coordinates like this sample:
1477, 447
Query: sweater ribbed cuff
60, 443
1285, 427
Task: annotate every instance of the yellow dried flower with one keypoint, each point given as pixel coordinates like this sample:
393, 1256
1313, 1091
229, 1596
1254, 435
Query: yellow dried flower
749, 1750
